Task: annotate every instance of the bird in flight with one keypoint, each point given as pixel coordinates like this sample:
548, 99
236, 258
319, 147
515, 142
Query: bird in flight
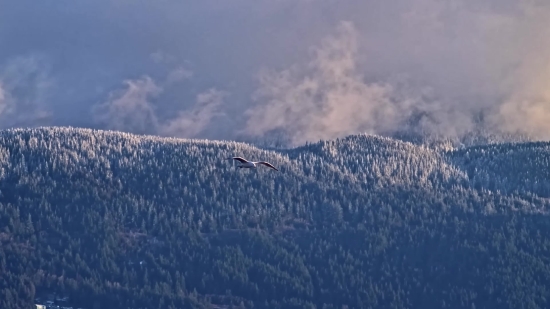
249, 164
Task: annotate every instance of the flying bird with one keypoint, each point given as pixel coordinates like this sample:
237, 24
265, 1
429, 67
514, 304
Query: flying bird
249, 164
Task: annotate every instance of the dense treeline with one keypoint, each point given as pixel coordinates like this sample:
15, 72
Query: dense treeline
520, 168
115, 220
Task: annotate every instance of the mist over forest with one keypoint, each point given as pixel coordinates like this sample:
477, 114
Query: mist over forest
300, 70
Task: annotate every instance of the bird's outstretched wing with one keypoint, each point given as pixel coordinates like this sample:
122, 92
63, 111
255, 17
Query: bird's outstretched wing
239, 159
268, 164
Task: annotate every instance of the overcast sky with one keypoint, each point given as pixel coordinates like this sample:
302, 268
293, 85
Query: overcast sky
314, 69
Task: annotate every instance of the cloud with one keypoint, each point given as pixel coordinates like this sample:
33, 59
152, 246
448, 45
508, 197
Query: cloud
190, 123
526, 105
325, 99
4, 101
500, 88
428, 66
329, 98
179, 74
161, 57
24, 89
130, 109
133, 109
175, 75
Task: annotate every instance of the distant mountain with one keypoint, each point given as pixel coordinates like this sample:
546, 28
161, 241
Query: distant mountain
116, 220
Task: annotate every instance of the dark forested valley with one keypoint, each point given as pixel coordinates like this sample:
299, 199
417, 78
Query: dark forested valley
114, 220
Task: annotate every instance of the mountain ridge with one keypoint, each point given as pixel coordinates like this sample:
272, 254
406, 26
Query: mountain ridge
363, 221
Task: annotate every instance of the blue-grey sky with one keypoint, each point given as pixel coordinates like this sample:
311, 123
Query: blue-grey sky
242, 69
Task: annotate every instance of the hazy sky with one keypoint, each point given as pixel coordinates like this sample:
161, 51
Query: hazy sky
241, 69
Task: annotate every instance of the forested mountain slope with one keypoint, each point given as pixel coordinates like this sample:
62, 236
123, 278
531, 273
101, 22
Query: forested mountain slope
125, 221
508, 167
378, 161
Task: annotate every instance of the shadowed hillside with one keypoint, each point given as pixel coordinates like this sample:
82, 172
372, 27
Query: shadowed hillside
522, 168
126, 221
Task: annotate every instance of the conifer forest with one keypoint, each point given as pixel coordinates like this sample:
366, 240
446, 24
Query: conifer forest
115, 220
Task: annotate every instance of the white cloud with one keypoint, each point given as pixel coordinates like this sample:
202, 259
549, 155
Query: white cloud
4, 104
24, 90
179, 74
329, 97
475, 56
161, 57
325, 99
130, 109
527, 105
190, 123
133, 109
